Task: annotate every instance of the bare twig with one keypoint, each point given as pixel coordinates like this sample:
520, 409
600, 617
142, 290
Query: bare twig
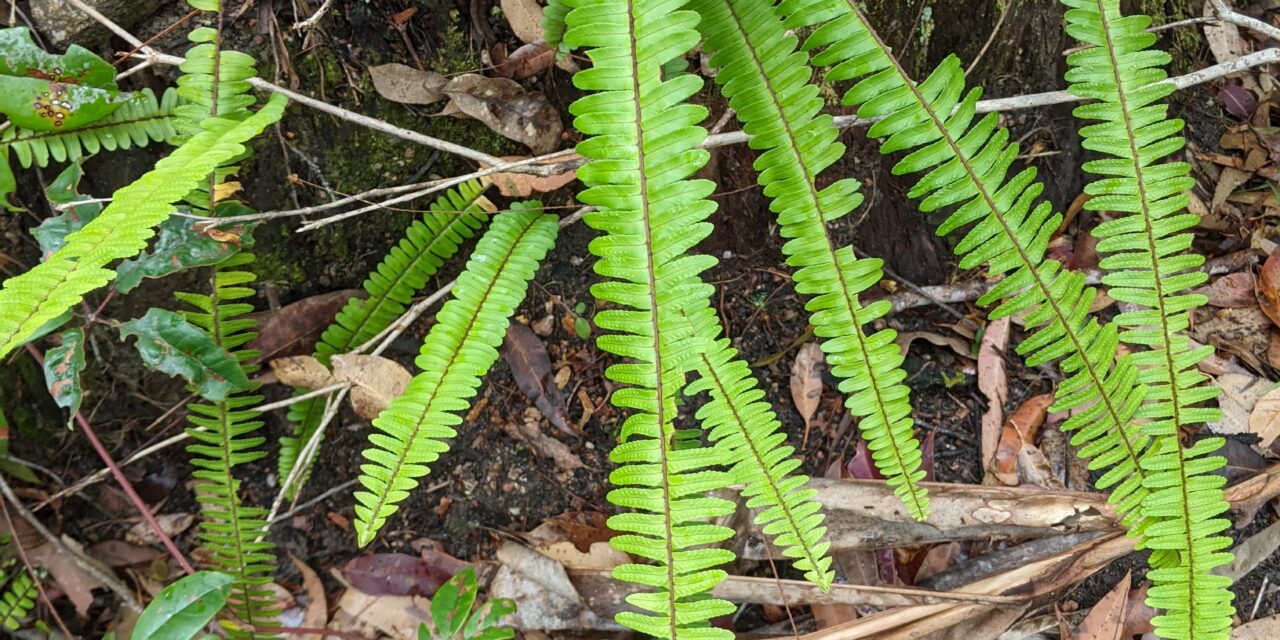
1227, 14
315, 17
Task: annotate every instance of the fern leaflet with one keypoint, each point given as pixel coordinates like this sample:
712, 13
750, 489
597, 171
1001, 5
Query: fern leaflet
766, 80
451, 220
1150, 264
460, 348
18, 600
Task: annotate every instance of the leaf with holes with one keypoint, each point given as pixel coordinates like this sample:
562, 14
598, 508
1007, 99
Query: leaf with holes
62, 367
42, 91
185, 243
52, 232
170, 344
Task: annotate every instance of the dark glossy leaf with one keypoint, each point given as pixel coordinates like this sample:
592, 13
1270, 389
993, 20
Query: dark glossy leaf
170, 344
1239, 101
184, 243
531, 367
294, 329
399, 574
183, 608
42, 91
51, 233
62, 367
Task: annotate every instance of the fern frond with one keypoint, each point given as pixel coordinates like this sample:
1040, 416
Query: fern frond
224, 92
641, 147
451, 220
139, 120
1148, 257
966, 163
29, 300
18, 600
553, 25
766, 80
460, 348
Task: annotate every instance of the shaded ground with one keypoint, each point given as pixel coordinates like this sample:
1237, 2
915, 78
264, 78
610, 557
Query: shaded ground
489, 484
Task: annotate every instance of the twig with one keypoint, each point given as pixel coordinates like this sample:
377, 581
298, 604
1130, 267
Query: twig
312, 502
35, 577
292, 400
1227, 14
1008, 6
123, 481
311, 22
63, 549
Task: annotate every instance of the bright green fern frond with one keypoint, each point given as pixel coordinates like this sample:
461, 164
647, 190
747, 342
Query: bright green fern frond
966, 164
450, 221
641, 148
140, 120
460, 348
1147, 253
744, 427
553, 17
122, 229
225, 93
18, 600
767, 82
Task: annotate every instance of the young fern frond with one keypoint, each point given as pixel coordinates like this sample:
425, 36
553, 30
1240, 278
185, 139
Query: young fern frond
742, 424
450, 221
140, 120
29, 300
17, 601
1148, 257
460, 348
641, 149
766, 80
966, 164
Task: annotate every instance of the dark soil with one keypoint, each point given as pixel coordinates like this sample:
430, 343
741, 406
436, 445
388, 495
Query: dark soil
490, 485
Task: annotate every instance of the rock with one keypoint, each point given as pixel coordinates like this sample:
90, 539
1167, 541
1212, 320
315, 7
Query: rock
64, 23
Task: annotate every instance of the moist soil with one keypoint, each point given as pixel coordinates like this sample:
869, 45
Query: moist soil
491, 485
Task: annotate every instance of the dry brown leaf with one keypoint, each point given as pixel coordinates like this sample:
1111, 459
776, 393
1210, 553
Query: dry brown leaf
1269, 286
530, 365
1230, 179
1264, 629
1251, 553
395, 616
171, 524
1232, 290
957, 344
375, 381
504, 106
525, 18
1264, 421
548, 600
407, 85
77, 583
294, 329
303, 372
1106, 621
1241, 332
1034, 470
528, 60
1240, 393
118, 553
316, 615
994, 384
1018, 431
523, 185
806, 380
527, 431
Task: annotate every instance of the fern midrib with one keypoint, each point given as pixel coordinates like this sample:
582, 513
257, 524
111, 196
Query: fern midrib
940, 125
660, 414
811, 190
453, 357
767, 476
1170, 372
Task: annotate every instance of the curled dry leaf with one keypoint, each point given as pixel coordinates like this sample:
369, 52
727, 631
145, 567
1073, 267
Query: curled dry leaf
1269, 286
527, 431
1106, 621
407, 85
994, 384
294, 328
525, 18
316, 615
957, 344
528, 60
806, 381
530, 365
301, 372
522, 185
1019, 432
375, 381
504, 106
171, 524
1264, 421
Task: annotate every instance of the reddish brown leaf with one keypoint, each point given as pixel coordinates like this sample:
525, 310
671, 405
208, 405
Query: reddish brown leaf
400, 574
1239, 102
1234, 290
294, 329
994, 385
528, 60
531, 367
1269, 286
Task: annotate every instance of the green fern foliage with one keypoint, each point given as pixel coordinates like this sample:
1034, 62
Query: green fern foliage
1149, 263
767, 82
17, 600
450, 221
459, 349
965, 166
29, 300
138, 121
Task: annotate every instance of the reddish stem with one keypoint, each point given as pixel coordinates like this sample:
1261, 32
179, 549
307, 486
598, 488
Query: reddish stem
124, 482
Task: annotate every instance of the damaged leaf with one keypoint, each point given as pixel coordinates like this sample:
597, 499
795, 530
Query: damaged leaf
398, 574
530, 365
183, 244
168, 343
806, 381
62, 367
407, 85
41, 91
504, 106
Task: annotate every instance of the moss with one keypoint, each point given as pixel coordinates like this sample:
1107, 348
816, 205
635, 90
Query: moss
1184, 43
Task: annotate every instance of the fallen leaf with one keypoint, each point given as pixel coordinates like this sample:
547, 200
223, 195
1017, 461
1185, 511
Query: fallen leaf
301, 372
1264, 629
62, 367
375, 615
1019, 431
1273, 349
504, 106
528, 60
1232, 290
582, 528
1240, 394
317, 612
1269, 286
1034, 470
407, 85
548, 599
806, 381
396, 574
1244, 333
171, 524
526, 355
118, 553
1240, 102
993, 384
294, 329
375, 381
523, 185
1228, 182
1264, 421
527, 431
1251, 553
957, 344
73, 579
525, 18
1106, 620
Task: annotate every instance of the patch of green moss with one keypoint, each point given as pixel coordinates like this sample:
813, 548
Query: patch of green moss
1183, 43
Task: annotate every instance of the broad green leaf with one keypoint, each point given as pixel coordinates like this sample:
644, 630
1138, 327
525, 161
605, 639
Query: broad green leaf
42, 91
184, 243
62, 367
52, 233
183, 608
170, 344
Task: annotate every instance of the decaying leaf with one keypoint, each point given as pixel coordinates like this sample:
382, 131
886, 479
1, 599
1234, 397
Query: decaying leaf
183, 243
375, 381
806, 380
171, 524
294, 329
370, 616
523, 185
302, 372
548, 600
73, 579
1232, 290
118, 553
1240, 394
407, 85
1019, 432
527, 431
1264, 629
530, 365
1269, 286
62, 367
528, 60
525, 18
957, 344
317, 612
504, 106
399, 574
1241, 332
994, 384
1251, 553
1264, 420
168, 342
1106, 621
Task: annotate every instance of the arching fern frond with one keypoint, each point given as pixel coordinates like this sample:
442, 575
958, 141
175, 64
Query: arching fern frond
29, 300
451, 220
1150, 264
641, 150
767, 82
140, 120
460, 348
966, 163
18, 599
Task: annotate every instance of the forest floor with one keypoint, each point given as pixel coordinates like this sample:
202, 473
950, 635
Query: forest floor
501, 479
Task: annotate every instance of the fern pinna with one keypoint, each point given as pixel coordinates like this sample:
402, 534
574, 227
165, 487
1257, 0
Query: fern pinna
460, 348
450, 221
224, 431
18, 598
1149, 263
766, 81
